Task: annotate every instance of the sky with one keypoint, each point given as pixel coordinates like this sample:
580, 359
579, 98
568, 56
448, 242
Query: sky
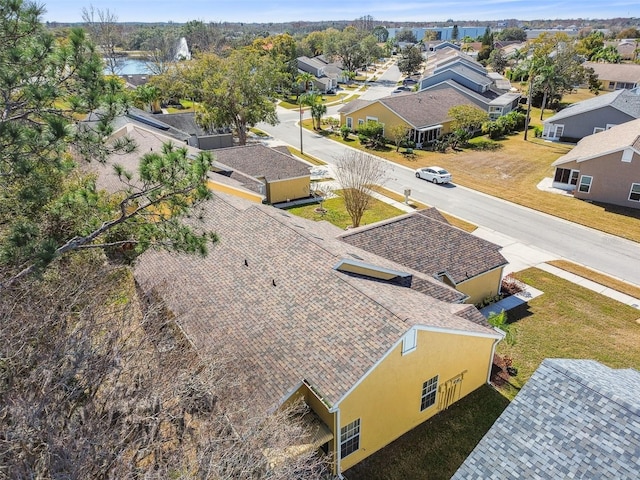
265, 11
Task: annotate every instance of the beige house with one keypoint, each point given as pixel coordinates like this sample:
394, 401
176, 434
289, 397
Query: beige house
616, 76
604, 167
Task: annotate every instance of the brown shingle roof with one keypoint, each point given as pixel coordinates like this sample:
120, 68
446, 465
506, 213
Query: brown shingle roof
428, 245
288, 313
260, 161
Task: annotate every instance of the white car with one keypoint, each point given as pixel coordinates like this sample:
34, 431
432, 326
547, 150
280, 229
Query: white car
434, 174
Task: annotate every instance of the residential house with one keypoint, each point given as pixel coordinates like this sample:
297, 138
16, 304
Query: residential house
424, 114
310, 316
495, 104
629, 49
180, 126
604, 167
283, 177
426, 242
489, 90
592, 115
572, 419
434, 46
327, 74
616, 76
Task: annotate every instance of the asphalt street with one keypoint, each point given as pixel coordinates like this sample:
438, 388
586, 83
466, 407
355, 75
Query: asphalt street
556, 237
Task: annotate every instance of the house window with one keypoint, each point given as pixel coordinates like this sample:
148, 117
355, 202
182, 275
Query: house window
349, 438
566, 175
559, 131
372, 119
634, 194
360, 121
585, 183
409, 342
627, 155
429, 389
349, 122
598, 129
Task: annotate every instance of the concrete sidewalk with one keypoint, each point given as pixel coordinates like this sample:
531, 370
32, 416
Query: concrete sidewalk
520, 257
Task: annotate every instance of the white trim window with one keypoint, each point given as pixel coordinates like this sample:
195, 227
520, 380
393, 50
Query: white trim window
350, 122
634, 193
350, 438
598, 129
429, 390
566, 175
410, 341
360, 121
585, 183
627, 155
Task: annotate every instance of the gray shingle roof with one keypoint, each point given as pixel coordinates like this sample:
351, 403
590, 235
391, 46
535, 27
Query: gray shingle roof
287, 312
428, 245
622, 100
615, 139
573, 419
258, 160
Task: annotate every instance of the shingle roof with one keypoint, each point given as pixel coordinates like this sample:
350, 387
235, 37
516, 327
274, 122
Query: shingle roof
615, 139
619, 72
287, 312
147, 140
258, 160
428, 245
573, 419
419, 109
623, 100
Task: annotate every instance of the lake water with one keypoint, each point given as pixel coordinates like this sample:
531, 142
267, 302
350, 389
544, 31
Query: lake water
132, 66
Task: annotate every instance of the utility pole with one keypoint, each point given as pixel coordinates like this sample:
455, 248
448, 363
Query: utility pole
526, 120
300, 122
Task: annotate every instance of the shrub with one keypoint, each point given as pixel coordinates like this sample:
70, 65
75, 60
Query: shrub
485, 145
344, 132
493, 130
511, 285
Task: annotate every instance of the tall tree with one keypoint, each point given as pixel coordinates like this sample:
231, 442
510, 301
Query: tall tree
346, 47
410, 60
381, 33
498, 61
357, 173
47, 209
236, 91
106, 33
513, 34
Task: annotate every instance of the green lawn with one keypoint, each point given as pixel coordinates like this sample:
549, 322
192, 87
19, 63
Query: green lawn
336, 213
569, 321
435, 449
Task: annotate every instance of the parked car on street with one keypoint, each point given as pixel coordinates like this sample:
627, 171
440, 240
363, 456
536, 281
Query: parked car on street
433, 174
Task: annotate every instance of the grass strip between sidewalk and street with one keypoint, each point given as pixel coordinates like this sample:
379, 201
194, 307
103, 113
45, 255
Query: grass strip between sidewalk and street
594, 276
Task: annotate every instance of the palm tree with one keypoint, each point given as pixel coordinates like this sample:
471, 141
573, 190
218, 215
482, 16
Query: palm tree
306, 79
318, 109
147, 96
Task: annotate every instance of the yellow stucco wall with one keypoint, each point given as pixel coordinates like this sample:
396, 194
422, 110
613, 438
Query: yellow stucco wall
221, 187
376, 110
387, 402
289, 189
482, 286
